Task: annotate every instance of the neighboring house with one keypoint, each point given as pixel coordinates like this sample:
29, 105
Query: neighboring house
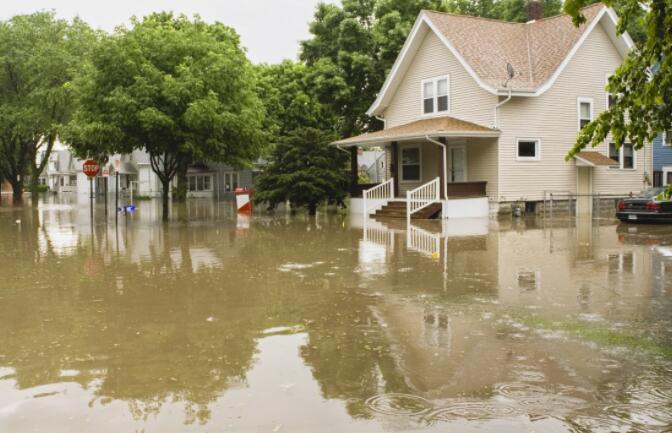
60, 173
453, 113
134, 173
372, 164
5, 187
662, 159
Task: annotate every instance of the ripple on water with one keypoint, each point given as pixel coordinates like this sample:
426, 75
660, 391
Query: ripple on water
537, 397
398, 404
472, 410
640, 415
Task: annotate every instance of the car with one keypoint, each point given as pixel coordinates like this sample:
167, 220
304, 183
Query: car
647, 207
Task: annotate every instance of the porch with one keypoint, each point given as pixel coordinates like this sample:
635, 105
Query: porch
439, 166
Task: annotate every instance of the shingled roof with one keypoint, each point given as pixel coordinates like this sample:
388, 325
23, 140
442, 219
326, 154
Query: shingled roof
535, 49
445, 126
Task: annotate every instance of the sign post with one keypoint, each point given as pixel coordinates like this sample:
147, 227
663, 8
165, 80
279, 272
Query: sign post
91, 169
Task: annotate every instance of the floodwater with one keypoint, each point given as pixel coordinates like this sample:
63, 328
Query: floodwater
218, 323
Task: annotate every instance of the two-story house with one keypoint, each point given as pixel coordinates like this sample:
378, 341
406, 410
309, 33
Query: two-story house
479, 113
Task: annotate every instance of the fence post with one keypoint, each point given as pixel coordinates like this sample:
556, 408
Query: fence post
408, 209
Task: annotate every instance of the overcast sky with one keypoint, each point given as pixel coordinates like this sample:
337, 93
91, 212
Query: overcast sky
269, 29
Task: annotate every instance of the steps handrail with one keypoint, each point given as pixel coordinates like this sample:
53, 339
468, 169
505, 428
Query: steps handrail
383, 191
421, 197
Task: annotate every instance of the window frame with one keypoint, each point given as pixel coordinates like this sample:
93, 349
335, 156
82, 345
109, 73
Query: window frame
435, 98
580, 100
621, 160
606, 91
401, 163
537, 150
667, 135
198, 186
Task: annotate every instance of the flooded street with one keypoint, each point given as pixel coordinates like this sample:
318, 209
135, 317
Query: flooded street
286, 324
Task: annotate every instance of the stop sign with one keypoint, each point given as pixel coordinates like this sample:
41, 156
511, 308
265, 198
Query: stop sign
91, 168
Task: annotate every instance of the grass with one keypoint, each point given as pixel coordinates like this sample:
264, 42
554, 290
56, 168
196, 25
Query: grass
602, 336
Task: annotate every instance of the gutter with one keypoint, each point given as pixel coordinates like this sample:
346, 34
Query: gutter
445, 164
499, 105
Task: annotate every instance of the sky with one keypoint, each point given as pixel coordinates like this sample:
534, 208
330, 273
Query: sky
269, 29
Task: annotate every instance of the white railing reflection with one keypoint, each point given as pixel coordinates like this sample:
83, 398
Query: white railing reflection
423, 242
379, 195
421, 197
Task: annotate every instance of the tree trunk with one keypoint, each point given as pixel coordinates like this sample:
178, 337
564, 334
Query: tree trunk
17, 191
312, 209
181, 192
34, 194
166, 199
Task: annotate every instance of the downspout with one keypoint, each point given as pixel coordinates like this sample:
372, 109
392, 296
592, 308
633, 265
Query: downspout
499, 105
445, 164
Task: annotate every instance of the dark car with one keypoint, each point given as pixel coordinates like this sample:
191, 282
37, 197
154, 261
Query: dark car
645, 208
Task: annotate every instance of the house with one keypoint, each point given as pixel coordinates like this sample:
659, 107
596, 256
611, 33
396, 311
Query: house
662, 159
5, 187
60, 173
480, 114
133, 172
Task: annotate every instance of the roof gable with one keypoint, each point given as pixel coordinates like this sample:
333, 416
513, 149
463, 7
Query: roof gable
538, 50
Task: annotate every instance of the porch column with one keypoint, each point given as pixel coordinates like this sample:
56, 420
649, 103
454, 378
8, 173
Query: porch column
442, 174
354, 171
394, 167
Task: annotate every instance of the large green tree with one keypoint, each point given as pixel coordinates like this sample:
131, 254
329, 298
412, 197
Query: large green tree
179, 88
643, 83
39, 56
303, 168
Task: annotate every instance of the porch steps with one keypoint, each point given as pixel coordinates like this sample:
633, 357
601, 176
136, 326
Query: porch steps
397, 209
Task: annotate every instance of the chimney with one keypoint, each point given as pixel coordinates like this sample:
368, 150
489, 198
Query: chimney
535, 10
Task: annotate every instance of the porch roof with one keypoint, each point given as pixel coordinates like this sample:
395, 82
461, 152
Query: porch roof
445, 126
594, 159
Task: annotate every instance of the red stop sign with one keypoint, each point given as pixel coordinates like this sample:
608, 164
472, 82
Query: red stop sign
91, 168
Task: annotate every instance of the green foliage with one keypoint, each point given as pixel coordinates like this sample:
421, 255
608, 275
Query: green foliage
506, 10
643, 82
181, 89
40, 55
305, 170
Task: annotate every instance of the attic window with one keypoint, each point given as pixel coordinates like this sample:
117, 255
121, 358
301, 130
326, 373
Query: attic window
435, 95
667, 138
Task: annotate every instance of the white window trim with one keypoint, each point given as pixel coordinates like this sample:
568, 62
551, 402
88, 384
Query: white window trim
434, 81
579, 101
664, 137
606, 92
196, 176
537, 150
401, 165
620, 158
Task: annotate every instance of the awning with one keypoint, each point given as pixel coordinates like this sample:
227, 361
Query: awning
594, 159
435, 127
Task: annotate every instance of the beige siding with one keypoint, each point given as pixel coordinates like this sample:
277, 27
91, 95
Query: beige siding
467, 100
552, 118
482, 163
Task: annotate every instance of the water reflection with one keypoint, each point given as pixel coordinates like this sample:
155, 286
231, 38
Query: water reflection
281, 323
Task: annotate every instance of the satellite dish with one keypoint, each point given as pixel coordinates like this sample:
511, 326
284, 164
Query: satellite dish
509, 71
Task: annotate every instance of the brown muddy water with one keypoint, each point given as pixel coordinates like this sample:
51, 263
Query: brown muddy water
286, 324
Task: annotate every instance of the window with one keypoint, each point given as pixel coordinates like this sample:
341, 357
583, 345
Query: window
197, 183
611, 99
230, 181
410, 164
625, 155
528, 150
667, 138
435, 95
585, 111
73, 180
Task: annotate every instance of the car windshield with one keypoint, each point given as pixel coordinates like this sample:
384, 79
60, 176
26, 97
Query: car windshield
650, 193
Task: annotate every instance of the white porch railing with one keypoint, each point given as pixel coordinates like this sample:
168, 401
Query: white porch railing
421, 197
384, 191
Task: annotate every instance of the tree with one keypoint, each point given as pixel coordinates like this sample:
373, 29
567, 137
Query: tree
305, 170
643, 83
40, 56
181, 89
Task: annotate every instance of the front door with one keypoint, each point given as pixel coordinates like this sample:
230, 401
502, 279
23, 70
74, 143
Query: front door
458, 164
